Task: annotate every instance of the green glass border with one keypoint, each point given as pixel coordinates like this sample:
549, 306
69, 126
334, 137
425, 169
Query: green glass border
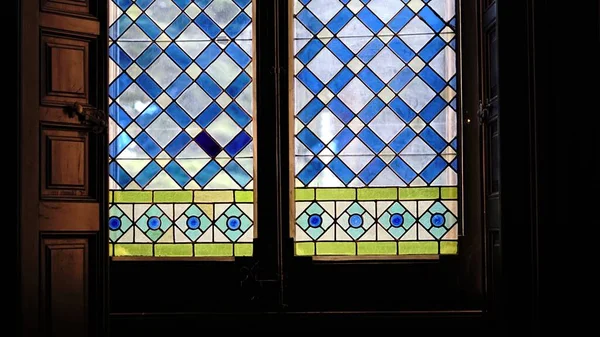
376, 248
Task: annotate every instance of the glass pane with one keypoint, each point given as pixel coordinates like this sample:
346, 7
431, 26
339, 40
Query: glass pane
181, 149
375, 130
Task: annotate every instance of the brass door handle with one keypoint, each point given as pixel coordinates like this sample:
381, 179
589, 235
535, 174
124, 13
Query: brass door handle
91, 116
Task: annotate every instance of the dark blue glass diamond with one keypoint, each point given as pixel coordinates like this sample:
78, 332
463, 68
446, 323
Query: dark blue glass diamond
341, 140
311, 141
370, 50
148, 85
431, 19
206, 143
310, 81
401, 49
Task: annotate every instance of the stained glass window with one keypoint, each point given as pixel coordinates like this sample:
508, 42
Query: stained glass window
375, 131
180, 133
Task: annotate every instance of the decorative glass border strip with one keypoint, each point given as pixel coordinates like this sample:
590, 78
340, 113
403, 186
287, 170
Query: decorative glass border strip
216, 223
376, 221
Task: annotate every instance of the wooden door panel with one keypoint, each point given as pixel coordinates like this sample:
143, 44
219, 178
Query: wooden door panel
64, 163
64, 269
65, 68
62, 168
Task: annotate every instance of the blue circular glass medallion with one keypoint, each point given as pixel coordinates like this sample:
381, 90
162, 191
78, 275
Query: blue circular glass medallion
315, 220
396, 220
233, 223
355, 220
114, 223
154, 222
193, 222
438, 220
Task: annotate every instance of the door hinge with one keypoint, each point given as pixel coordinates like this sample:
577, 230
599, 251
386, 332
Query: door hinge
483, 112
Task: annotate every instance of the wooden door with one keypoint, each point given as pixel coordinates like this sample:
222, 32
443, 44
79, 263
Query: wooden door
63, 156
488, 115
391, 286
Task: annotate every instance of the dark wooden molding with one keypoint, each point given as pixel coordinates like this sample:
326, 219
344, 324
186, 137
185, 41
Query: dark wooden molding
463, 323
74, 24
80, 8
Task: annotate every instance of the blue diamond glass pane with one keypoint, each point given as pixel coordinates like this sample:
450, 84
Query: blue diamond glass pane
174, 131
208, 115
237, 25
148, 115
381, 113
148, 26
310, 50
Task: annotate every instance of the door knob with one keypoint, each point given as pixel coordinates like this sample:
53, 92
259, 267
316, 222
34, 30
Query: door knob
90, 116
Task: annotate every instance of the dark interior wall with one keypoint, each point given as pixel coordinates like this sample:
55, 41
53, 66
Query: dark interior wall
565, 99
